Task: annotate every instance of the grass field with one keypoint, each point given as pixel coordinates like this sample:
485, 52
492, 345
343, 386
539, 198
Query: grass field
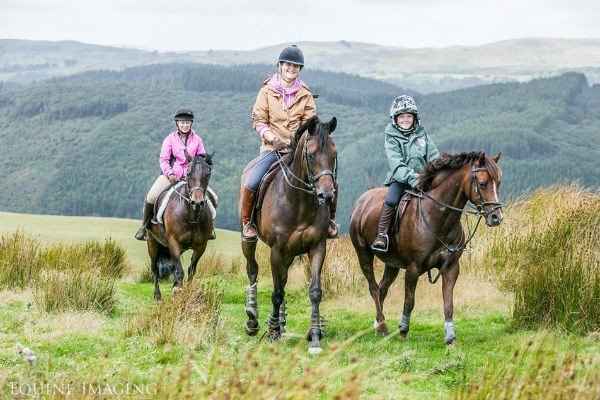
98, 355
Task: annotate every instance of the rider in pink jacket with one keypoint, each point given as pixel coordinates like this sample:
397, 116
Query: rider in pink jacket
173, 162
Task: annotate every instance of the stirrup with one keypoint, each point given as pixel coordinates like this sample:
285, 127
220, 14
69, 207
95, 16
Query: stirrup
141, 234
249, 238
383, 244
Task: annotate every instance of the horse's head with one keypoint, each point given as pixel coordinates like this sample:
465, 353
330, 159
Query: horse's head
483, 186
319, 156
197, 176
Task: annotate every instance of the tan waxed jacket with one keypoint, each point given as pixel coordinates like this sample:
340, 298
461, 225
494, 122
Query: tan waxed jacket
283, 123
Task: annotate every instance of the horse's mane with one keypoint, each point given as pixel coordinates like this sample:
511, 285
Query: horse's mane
321, 136
454, 161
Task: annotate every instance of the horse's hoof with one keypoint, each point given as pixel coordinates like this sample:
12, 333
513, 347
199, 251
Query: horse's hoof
381, 328
316, 350
177, 290
251, 328
403, 335
274, 336
452, 343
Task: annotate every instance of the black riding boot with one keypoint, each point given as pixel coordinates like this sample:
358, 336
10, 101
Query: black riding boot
146, 217
385, 218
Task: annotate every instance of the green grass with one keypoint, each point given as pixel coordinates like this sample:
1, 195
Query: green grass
121, 348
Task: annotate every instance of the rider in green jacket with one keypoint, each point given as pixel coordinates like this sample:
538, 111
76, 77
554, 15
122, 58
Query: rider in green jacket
408, 148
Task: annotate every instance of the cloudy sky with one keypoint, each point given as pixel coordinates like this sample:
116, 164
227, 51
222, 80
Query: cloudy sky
244, 25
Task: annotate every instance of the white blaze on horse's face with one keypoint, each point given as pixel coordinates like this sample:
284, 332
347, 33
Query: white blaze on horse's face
484, 194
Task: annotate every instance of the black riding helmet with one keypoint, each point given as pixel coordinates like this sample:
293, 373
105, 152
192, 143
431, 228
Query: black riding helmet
184, 114
292, 54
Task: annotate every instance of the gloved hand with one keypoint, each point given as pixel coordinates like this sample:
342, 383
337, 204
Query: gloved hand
279, 144
172, 179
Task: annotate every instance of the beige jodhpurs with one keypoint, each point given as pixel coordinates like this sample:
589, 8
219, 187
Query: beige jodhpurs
161, 183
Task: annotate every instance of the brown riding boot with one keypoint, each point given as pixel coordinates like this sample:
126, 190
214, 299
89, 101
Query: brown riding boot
385, 218
332, 230
146, 217
249, 231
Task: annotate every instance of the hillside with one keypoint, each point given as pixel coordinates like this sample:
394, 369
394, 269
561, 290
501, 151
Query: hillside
88, 144
422, 69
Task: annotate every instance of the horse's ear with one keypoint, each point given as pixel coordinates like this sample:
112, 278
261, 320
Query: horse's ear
187, 156
332, 124
308, 125
481, 160
496, 158
208, 157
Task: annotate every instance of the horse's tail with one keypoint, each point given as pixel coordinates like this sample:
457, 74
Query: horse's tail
166, 264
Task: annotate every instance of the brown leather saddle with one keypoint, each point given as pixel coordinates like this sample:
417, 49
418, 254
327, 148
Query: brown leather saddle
265, 181
400, 209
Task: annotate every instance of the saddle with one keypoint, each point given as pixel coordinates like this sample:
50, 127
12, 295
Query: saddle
400, 209
265, 181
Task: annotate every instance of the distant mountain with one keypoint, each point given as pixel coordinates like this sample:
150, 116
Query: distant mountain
423, 69
88, 144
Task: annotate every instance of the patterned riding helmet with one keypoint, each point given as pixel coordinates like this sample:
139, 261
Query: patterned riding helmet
184, 114
403, 104
292, 54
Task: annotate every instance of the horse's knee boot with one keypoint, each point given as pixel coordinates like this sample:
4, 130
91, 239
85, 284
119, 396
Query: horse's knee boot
449, 333
404, 324
251, 301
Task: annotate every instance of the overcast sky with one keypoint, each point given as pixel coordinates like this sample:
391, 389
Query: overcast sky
245, 25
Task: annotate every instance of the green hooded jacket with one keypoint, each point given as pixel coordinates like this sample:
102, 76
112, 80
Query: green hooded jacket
407, 155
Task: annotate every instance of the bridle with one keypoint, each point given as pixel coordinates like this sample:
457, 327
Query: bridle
309, 187
482, 203
476, 209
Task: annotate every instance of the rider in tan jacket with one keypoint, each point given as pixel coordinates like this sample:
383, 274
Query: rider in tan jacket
282, 105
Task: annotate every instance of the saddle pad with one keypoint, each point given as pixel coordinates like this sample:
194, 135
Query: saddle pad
395, 226
167, 197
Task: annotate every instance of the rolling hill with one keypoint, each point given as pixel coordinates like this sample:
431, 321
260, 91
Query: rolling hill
421, 69
88, 144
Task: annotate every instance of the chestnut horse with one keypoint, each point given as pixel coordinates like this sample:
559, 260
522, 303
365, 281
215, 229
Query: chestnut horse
188, 224
293, 220
430, 234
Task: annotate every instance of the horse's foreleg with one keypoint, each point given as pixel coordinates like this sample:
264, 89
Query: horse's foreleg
279, 269
194, 262
410, 285
251, 326
178, 274
314, 335
449, 278
389, 276
153, 253
365, 260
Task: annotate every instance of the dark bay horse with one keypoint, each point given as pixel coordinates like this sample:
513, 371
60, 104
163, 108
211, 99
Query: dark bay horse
293, 221
430, 234
188, 224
